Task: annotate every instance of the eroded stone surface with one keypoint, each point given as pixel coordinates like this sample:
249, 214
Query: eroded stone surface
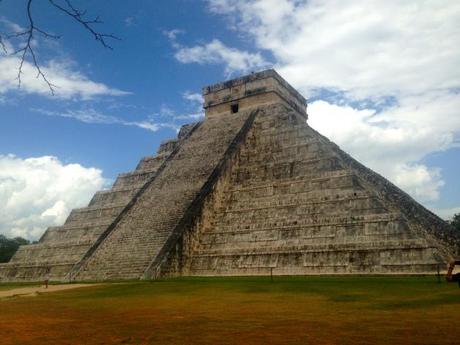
139, 237
291, 202
252, 190
61, 247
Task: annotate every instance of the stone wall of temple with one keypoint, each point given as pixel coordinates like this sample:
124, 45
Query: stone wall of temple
252, 190
291, 202
138, 239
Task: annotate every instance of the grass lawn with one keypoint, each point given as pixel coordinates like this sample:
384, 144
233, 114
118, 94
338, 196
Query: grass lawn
10, 286
290, 310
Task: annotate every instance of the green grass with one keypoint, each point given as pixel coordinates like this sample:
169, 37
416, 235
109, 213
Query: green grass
9, 286
240, 310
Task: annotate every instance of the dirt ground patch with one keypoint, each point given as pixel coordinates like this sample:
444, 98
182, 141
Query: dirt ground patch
305, 310
37, 290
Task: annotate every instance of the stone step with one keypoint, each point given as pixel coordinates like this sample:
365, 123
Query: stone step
152, 162
351, 206
314, 177
282, 140
332, 269
34, 265
301, 192
134, 178
114, 196
279, 128
70, 252
289, 239
40, 246
320, 261
246, 220
35, 272
301, 199
133, 271
293, 151
321, 164
138, 265
89, 227
354, 246
323, 221
94, 212
246, 174
61, 234
167, 146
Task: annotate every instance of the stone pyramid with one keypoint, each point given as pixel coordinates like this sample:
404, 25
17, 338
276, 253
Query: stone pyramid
251, 190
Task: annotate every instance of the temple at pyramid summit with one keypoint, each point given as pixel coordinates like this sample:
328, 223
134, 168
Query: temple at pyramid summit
250, 190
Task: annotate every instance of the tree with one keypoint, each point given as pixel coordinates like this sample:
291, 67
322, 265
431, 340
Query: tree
455, 222
9, 246
25, 38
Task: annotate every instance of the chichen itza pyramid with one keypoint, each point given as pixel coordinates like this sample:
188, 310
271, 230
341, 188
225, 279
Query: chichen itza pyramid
252, 189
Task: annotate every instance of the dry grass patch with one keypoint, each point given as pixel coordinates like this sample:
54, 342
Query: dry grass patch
290, 310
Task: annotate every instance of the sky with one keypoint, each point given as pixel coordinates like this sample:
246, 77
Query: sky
382, 79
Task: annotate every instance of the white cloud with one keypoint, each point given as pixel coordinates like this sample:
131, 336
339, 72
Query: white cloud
11, 26
93, 116
172, 34
368, 53
129, 21
420, 181
39, 192
165, 118
447, 213
393, 141
69, 83
215, 52
364, 48
194, 110
196, 102
196, 98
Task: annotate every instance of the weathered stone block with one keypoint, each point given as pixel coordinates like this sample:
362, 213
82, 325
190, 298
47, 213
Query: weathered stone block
252, 190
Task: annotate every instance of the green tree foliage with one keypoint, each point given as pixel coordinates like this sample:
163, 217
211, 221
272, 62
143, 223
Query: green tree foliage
456, 221
8, 247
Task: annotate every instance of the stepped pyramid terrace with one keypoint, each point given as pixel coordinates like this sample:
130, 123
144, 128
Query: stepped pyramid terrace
250, 190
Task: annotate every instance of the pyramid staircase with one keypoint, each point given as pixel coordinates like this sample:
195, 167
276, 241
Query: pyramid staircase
128, 251
252, 190
61, 247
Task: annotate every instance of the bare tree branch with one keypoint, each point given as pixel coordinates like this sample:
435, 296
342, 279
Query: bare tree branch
2, 44
79, 16
27, 48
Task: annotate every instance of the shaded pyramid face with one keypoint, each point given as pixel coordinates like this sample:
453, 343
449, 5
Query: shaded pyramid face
292, 202
251, 190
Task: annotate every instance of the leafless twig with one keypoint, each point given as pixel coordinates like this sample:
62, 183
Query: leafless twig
28, 48
32, 29
2, 45
88, 24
